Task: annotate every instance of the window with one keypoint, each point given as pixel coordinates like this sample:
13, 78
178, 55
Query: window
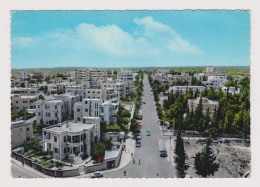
49, 146
65, 139
86, 110
78, 110
44, 132
56, 108
78, 119
56, 150
86, 102
16, 101
55, 138
28, 129
65, 150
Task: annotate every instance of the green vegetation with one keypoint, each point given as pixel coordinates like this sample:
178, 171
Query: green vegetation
37, 129
41, 97
46, 164
181, 156
15, 114
204, 163
232, 115
126, 103
98, 151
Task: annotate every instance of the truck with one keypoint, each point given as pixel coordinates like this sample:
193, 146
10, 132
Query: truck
162, 148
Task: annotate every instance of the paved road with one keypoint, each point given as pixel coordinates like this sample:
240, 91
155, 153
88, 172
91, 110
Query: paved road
17, 171
148, 153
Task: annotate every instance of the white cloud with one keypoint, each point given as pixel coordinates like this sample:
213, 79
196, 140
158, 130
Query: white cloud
149, 38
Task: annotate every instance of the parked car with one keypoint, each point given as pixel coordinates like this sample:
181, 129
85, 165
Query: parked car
144, 102
96, 174
138, 143
148, 133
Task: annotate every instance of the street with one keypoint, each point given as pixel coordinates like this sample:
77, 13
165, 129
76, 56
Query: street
19, 171
151, 164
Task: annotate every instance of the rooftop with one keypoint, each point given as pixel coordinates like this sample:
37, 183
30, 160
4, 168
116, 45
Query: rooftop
70, 127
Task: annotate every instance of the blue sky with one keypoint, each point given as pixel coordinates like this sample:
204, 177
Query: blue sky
129, 38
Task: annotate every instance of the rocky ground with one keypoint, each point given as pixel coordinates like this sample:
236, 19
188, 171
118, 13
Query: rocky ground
234, 157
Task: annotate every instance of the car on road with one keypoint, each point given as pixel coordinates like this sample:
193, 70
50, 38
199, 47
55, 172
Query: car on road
148, 133
144, 102
162, 148
96, 174
138, 143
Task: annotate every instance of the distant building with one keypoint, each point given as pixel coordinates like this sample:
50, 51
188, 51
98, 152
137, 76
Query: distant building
185, 89
21, 131
207, 105
24, 91
118, 85
82, 75
72, 140
175, 79
125, 75
211, 70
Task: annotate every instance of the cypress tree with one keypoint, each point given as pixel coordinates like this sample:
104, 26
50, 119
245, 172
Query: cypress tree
204, 163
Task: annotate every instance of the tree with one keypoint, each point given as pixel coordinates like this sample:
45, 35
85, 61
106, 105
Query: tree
41, 97
98, 151
205, 161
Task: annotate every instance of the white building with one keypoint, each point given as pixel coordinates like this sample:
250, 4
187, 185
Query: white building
199, 76
104, 94
72, 140
75, 90
24, 91
82, 75
56, 88
118, 85
96, 108
207, 105
23, 102
232, 90
70, 101
210, 70
125, 75
185, 89
212, 83
21, 131
51, 111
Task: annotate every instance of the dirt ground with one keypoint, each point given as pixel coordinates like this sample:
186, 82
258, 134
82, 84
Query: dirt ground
234, 157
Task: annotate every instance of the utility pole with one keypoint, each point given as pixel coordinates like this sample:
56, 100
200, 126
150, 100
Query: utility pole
170, 149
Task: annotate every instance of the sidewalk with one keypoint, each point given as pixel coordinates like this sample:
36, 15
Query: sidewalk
28, 168
126, 157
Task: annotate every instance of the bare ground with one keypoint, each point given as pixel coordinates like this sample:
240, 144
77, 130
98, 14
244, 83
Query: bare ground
233, 156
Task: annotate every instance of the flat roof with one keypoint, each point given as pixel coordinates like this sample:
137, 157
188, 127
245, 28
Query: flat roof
71, 127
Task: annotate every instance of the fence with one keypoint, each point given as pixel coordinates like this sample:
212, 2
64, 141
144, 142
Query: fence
46, 171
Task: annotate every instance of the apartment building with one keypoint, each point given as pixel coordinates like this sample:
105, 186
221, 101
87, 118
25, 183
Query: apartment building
118, 85
70, 101
23, 102
56, 88
199, 76
72, 140
75, 90
210, 70
96, 108
174, 79
212, 83
103, 94
51, 111
24, 91
21, 131
125, 75
82, 75
186, 89
207, 105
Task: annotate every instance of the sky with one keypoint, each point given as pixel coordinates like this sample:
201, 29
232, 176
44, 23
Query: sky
45, 39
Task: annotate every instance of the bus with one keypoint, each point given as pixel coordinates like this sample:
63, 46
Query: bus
162, 148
